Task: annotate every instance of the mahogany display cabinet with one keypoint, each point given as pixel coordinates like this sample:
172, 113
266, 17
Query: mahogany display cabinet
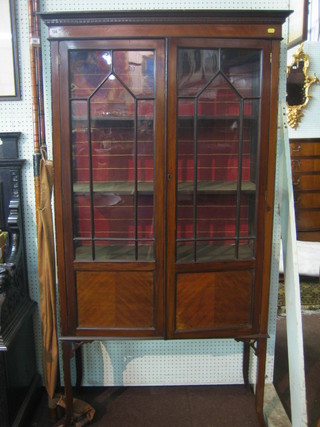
164, 130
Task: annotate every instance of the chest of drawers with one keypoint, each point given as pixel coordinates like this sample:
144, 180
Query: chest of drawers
305, 163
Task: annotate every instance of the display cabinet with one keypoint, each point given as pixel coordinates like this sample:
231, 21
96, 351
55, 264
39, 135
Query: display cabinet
164, 130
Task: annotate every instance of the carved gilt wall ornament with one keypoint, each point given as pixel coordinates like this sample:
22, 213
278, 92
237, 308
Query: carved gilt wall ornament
298, 85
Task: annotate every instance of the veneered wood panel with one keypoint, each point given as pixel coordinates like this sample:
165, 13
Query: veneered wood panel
115, 299
307, 200
214, 300
308, 219
309, 236
305, 165
247, 30
304, 147
306, 182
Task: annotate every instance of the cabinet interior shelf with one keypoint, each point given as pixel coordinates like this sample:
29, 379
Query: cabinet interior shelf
129, 121
126, 187
205, 252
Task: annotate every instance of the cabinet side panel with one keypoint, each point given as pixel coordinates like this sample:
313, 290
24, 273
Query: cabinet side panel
115, 299
215, 300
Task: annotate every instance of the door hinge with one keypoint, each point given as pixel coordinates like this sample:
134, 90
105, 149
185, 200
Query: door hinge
270, 57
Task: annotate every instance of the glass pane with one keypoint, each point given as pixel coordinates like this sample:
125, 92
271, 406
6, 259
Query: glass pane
216, 216
145, 217
243, 69
83, 249
106, 250
219, 98
88, 69
207, 251
185, 141
185, 216
218, 154
136, 70
145, 132
217, 145
80, 138
246, 249
112, 135
80, 174
250, 142
247, 221
216, 250
146, 250
81, 211
113, 216
111, 100
185, 251
195, 69
82, 216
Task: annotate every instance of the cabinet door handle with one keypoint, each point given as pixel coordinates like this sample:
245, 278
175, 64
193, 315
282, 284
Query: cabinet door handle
296, 150
297, 182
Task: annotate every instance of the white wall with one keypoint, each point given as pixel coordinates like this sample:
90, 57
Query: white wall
127, 362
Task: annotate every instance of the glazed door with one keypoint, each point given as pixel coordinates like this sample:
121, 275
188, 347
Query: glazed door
112, 156
218, 155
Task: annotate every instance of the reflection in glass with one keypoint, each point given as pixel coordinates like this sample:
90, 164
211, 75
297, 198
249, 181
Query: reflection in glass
88, 69
136, 70
295, 85
298, 85
195, 69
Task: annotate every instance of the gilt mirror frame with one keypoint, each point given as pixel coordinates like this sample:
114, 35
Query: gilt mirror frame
298, 85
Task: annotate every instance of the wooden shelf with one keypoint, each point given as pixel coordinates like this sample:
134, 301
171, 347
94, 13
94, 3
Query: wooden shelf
130, 120
213, 252
115, 252
217, 117
205, 252
216, 186
113, 119
126, 187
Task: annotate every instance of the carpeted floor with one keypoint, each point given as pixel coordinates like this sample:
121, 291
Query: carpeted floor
208, 406
309, 291
311, 338
195, 406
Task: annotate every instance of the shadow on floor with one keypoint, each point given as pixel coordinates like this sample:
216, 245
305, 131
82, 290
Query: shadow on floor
202, 406
311, 339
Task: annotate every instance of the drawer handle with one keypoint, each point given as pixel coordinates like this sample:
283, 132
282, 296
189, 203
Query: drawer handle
296, 150
297, 182
295, 164
297, 200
